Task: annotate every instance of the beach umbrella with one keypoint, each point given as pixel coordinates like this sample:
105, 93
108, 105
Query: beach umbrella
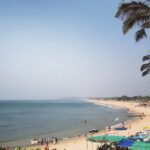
140, 146
114, 138
105, 138
96, 138
125, 143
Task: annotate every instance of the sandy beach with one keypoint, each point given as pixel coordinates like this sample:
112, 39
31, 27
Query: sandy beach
133, 125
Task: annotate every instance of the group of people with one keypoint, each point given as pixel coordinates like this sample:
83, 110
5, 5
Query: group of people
44, 141
4, 147
54, 140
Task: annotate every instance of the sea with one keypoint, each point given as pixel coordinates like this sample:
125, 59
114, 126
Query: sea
23, 120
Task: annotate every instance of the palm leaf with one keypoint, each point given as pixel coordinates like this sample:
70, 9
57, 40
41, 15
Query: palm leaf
135, 20
146, 72
146, 24
135, 13
140, 34
147, 57
136, 8
145, 66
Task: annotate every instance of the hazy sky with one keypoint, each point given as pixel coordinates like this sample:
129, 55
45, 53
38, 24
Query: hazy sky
66, 48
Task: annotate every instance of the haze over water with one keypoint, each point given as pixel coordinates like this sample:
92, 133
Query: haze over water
21, 121
65, 48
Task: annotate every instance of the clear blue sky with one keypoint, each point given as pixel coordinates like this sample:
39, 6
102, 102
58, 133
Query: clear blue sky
66, 48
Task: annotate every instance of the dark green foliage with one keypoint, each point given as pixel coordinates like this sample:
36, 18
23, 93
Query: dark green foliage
17, 148
145, 68
140, 34
38, 149
126, 98
2, 148
147, 57
135, 13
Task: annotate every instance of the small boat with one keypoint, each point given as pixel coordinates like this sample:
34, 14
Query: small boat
121, 128
133, 115
93, 131
34, 141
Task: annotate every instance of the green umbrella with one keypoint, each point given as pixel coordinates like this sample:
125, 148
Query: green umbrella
105, 138
140, 146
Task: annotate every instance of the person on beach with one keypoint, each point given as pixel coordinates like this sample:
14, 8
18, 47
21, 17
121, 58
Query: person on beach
47, 142
46, 147
42, 141
7, 148
129, 126
108, 128
54, 140
16, 148
123, 125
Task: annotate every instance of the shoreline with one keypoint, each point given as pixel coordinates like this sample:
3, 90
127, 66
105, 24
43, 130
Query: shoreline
143, 114
25, 142
75, 142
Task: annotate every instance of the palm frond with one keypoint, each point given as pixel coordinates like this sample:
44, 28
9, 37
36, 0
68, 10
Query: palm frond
145, 66
135, 20
140, 34
135, 13
147, 57
146, 24
146, 72
127, 25
134, 7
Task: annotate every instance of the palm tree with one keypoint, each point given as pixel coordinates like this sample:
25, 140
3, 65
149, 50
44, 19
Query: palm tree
146, 67
135, 13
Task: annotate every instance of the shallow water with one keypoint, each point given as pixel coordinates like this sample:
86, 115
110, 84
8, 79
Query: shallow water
21, 121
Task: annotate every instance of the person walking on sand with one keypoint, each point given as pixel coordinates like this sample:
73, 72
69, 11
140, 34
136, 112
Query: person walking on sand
47, 142
129, 129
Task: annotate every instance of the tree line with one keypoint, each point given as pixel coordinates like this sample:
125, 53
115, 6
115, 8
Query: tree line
138, 98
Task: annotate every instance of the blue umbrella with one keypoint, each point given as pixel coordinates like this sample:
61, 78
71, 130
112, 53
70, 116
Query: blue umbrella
125, 143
